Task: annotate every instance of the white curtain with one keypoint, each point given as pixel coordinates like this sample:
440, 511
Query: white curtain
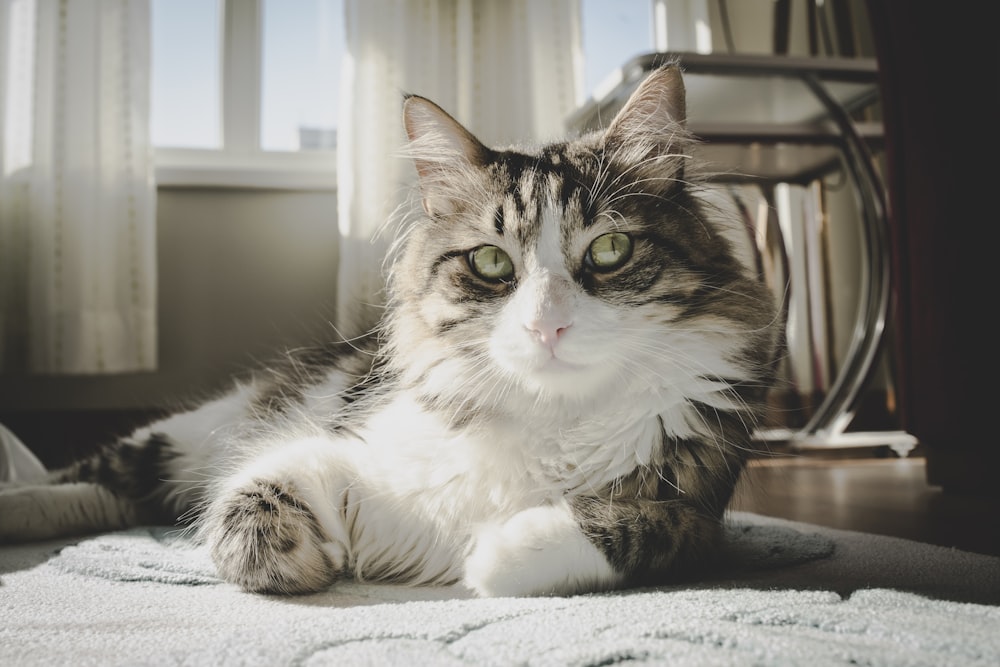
77, 200
508, 70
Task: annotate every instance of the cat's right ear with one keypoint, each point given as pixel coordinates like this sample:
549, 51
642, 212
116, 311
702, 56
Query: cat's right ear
440, 147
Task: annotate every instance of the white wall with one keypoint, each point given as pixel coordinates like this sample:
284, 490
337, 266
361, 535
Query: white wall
241, 272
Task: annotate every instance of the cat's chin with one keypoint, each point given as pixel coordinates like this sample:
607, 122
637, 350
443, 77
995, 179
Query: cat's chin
557, 377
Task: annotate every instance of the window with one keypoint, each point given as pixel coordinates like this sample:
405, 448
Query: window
303, 43
185, 73
244, 93
613, 33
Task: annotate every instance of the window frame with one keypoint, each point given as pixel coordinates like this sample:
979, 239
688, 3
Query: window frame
241, 162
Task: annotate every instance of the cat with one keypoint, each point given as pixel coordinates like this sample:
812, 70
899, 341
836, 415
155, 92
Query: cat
559, 398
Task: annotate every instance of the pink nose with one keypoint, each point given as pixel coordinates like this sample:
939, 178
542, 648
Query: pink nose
546, 332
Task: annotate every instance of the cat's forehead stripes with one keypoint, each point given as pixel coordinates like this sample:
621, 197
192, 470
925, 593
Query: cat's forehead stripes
532, 180
547, 253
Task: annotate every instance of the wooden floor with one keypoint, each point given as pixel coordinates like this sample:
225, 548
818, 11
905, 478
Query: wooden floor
888, 496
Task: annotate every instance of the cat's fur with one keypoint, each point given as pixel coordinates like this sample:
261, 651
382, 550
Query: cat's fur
563, 424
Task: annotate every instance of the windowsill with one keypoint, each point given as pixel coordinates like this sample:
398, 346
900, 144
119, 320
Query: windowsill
194, 168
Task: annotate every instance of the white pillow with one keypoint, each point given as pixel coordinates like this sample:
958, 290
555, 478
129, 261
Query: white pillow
17, 463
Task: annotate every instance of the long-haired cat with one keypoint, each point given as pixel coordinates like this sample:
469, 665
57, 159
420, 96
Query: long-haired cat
559, 398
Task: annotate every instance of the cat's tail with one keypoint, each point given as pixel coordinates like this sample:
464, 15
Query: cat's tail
154, 476
37, 512
32, 509
119, 486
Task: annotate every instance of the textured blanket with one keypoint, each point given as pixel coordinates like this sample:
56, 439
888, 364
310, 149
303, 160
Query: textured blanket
787, 594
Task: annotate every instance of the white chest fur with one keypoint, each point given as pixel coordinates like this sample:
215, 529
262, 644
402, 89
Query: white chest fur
426, 489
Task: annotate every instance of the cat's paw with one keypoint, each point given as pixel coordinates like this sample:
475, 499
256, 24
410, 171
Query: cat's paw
539, 551
264, 538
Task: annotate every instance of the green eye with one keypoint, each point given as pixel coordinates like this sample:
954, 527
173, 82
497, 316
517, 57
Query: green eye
609, 251
491, 263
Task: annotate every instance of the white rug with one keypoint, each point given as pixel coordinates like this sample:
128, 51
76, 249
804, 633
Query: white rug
790, 594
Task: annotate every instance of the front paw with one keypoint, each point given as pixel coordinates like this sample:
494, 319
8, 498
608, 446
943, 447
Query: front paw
538, 551
264, 538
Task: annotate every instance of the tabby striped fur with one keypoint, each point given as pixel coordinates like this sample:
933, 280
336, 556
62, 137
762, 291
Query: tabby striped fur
569, 414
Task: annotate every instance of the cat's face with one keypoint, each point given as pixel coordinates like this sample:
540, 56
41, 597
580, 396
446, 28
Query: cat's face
580, 270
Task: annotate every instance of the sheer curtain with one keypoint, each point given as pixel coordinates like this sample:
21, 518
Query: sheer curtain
77, 200
508, 71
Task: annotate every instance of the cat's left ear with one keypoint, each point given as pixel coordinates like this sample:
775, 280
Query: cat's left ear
655, 114
440, 148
